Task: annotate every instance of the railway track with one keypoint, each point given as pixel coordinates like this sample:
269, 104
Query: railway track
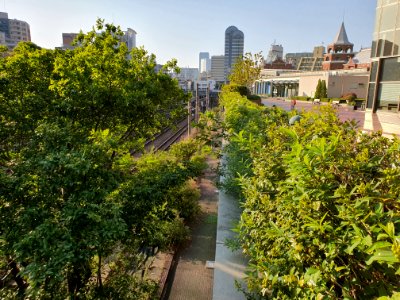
167, 137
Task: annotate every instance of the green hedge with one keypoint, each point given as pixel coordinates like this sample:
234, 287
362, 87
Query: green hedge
321, 215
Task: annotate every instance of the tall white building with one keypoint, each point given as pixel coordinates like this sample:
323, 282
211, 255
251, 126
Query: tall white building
234, 43
13, 31
218, 68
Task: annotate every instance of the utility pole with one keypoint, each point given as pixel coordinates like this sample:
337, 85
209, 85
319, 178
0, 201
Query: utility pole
196, 115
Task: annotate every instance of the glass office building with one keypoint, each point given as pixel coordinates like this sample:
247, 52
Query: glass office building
384, 83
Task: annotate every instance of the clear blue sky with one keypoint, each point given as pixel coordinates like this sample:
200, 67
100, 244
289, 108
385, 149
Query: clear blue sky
183, 28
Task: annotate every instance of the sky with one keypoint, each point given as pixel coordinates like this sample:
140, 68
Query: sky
182, 28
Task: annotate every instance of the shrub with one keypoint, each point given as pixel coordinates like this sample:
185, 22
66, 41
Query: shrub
301, 98
321, 213
186, 201
349, 97
235, 88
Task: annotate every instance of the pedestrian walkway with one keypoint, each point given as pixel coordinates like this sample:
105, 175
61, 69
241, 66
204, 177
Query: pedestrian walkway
229, 265
193, 279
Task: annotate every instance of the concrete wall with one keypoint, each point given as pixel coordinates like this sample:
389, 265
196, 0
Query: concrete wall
339, 85
308, 84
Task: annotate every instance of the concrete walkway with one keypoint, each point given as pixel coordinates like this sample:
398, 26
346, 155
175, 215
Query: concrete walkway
229, 266
192, 279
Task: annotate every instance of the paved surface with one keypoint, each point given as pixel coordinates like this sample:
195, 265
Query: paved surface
387, 122
192, 279
229, 266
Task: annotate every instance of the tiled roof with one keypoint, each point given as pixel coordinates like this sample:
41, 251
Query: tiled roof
363, 57
341, 37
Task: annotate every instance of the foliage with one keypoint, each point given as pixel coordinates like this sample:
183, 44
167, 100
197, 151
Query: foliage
321, 90
233, 87
318, 90
70, 192
246, 70
321, 211
301, 98
349, 97
243, 122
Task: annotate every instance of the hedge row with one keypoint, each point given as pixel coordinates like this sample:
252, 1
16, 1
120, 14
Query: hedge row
321, 206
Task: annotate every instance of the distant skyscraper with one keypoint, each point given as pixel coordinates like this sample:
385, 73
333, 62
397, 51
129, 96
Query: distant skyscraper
218, 68
130, 38
204, 62
234, 43
275, 52
13, 31
204, 65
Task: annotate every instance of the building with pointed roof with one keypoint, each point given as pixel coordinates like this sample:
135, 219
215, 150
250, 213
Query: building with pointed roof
339, 52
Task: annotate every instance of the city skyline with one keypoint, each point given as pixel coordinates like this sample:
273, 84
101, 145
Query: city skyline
182, 29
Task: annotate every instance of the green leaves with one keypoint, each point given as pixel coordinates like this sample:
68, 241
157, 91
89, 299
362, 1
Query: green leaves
71, 195
321, 199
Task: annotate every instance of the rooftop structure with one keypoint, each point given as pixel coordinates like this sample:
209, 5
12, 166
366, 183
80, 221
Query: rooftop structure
339, 52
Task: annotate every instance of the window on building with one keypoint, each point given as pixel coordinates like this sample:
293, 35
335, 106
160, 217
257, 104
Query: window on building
390, 69
374, 69
388, 43
396, 46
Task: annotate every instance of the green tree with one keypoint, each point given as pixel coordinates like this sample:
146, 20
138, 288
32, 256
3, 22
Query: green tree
246, 70
68, 121
318, 90
324, 90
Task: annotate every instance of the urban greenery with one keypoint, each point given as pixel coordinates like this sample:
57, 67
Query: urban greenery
246, 70
321, 90
80, 216
320, 204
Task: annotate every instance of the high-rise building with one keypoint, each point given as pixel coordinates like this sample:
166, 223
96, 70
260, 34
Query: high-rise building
67, 39
13, 31
384, 82
204, 62
218, 68
204, 65
130, 38
234, 43
274, 53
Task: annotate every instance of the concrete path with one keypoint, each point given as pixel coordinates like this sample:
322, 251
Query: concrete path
229, 265
192, 279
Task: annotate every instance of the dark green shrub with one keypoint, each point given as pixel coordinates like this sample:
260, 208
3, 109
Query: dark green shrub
186, 201
235, 88
301, 98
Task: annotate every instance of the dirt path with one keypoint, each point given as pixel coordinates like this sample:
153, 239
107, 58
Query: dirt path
192, 280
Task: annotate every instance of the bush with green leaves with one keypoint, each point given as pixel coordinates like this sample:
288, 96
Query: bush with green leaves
71, 195
244, 123
321, 212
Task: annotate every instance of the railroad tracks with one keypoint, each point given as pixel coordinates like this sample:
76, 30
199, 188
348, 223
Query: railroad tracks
167, 137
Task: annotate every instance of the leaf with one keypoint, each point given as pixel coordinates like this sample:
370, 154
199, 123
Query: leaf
382, 256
